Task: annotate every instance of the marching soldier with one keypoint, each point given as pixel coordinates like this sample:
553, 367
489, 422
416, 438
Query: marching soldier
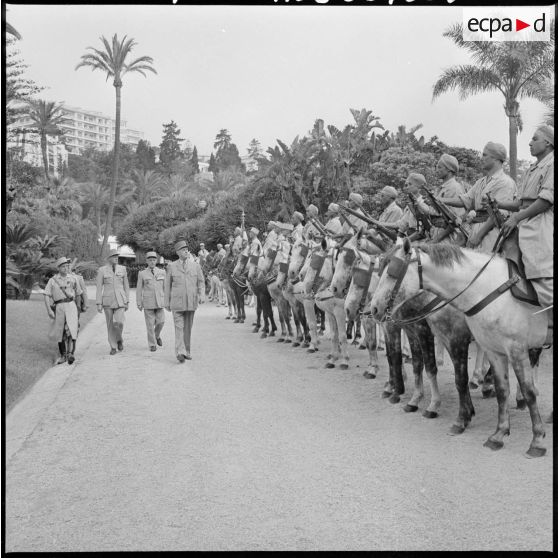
60, 300
112, 297
184, 287
81, 300
495, 182
151, 299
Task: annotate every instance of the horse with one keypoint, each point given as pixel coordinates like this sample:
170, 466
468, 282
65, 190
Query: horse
224, 271
266, 271
505, 327
297, 307
238, 283
300, 258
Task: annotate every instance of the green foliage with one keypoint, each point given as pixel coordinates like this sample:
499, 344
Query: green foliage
146, 155
170, 146
194, 162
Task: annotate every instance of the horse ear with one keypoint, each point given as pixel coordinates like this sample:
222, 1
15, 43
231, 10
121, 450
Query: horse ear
406, 245
359, 233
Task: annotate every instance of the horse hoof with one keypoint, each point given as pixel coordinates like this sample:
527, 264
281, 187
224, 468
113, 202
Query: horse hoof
305, 345
536, 452
521, 404
236, 320
280, 340
386, 394
493, 444
272, 334
473, 385
429, 414
455, 430
255, 330
255, 324
296, 344
362, 347
288, 341
394, 398
410, 408
227, 317
369, 375
344, 366
263, 335
487, 394
330, 365
241, 321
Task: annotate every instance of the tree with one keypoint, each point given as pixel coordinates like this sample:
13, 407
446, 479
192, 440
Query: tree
222, 140
45, 115
228, 158
146, 155
95, 196
170, 146
194, 161
148, 186
12, 31
112, 61
18, 89
515, 69
254, 149
212, 164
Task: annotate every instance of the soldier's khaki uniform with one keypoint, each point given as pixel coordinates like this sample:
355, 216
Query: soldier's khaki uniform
391, 213
113, 293
184, 286
150, 295
63, 291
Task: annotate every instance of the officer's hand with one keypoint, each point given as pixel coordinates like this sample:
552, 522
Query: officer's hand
51, 314
509, 225
99, 308
140, 307
126, 307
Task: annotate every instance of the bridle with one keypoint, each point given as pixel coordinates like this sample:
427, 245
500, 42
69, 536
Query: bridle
397, 269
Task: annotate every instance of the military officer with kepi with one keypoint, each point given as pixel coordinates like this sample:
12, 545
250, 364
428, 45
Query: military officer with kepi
60, 300
113, 294
151, 299
184, 287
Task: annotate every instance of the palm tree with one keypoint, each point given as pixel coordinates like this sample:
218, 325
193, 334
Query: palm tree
544, 92
148, 186
45, 115
112, 61
97, 197
12, 31
513, 68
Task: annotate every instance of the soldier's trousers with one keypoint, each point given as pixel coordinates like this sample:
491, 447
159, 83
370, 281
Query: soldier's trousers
154, 322
183, 322
115, 318
544, 286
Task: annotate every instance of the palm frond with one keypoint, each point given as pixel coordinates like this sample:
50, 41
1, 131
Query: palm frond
468, 80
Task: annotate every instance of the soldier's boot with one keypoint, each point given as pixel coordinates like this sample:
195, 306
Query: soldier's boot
550, 331
71, 350
62, 350
350, 329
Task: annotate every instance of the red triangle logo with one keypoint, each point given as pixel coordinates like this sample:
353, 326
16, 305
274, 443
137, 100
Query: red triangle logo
519, 25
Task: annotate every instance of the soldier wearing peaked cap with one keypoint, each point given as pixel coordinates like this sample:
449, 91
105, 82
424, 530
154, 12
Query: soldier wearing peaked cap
150, 298
184, 286
113, 294
60, 294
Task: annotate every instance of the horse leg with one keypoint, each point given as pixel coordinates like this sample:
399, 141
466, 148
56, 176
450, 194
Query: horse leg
304, 322
370, 340
518, 360
309, 309
534, 355
395, 361
269, 305
458, 349
321, 314
339, 315
439, 351
429, 359
287, 311
418, 364
499, 364
334, 355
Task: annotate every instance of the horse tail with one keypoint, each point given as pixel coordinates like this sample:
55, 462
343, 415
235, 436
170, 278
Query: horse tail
534, 356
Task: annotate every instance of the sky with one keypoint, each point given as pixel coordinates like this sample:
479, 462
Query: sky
266, 72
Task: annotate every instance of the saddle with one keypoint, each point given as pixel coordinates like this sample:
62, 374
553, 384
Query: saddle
523, 289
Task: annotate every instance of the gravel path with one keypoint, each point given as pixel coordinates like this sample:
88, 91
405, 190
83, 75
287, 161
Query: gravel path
254, 445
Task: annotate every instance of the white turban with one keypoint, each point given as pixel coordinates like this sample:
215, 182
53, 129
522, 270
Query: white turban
547, 132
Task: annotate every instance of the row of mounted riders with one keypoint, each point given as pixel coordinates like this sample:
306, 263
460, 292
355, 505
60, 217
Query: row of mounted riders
345, 280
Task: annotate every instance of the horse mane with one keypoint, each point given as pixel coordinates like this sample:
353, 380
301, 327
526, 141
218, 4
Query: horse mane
443, 255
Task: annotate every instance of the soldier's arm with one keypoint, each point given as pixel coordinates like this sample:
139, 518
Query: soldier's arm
126, 286
99, 286
139, 291
167, 288
201, 282
84, 298
48, 300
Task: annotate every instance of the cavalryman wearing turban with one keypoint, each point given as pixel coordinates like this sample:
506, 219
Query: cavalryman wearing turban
392, 212
354, 202
255, 244
298, 229
309, 231
333, 226
496, 183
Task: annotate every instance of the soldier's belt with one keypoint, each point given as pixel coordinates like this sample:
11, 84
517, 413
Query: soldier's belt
63, 300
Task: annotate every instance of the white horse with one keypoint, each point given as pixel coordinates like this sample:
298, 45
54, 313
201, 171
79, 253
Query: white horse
506, 328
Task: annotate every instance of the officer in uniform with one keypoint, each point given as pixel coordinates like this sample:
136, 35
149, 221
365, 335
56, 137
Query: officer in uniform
151, 299
237, 243
184, 286
113, 294
60, 300
254, 242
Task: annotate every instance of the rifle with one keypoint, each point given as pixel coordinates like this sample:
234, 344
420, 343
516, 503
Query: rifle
494, 211
392, 235
424, 224
447, 213
344, 218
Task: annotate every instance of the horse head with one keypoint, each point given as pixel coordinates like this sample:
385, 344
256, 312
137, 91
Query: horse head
299, 253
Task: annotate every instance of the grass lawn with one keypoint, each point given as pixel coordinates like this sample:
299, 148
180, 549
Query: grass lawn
29, 351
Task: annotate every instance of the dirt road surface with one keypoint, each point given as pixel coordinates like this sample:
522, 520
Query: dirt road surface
254, 445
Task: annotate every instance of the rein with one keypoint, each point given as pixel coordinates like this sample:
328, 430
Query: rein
430, 308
